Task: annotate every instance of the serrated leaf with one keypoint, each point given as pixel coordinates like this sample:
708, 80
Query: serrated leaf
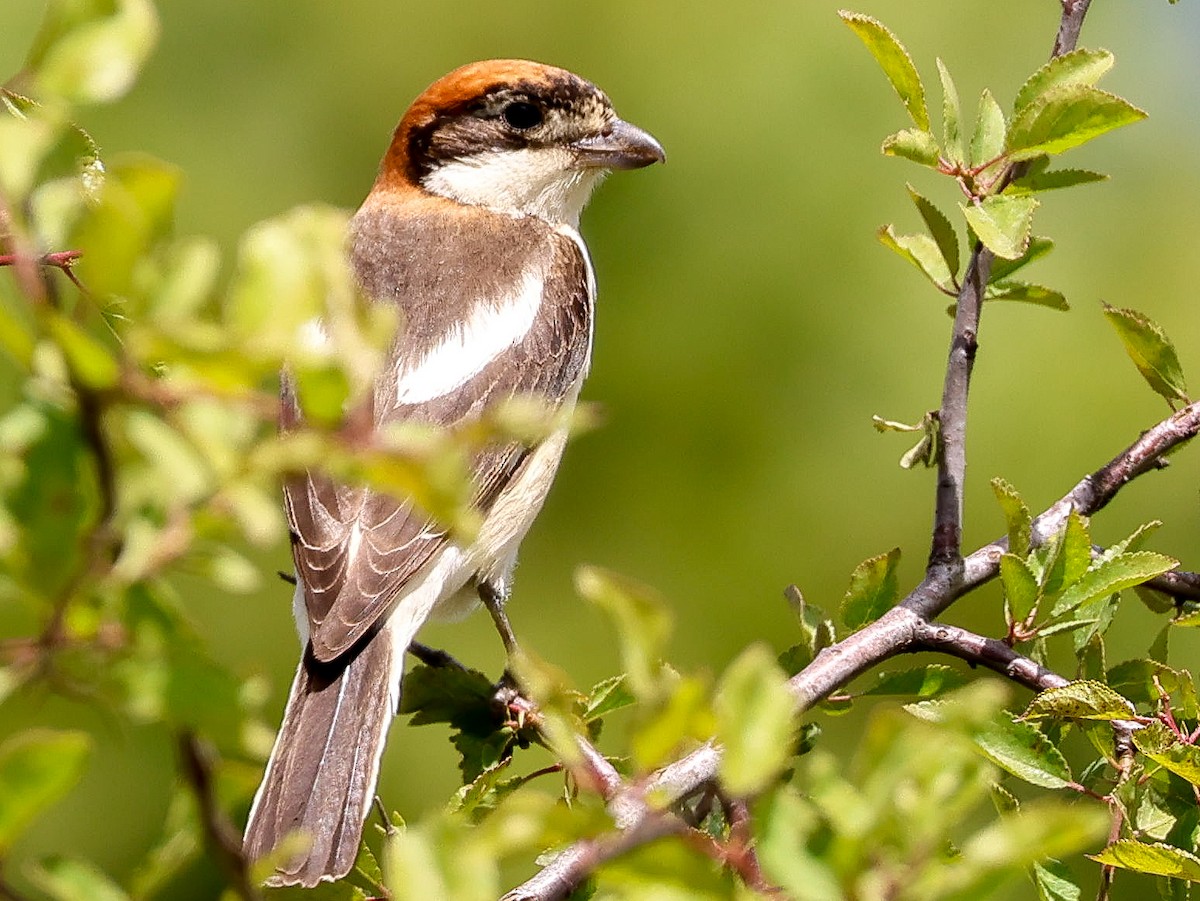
1055, 882
923, 252
1003, 269
1022, 750
606, 696
1021, 591
756, 722
1016, 514
873, 590
1065, 117
1076, 556
987, 142
1112, 575
1136, 680
1002, 223
1070, 625
939, 228
1036, 182
1027, 293
897, 65
445, 694
1082, 700
1084, 67
1187, 621
37, 767
1151, 351
1156, 859
952, 138
922, 681
1136, 540
913, 144
1182, 760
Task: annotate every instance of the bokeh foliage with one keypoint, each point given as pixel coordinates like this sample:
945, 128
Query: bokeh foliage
746, 337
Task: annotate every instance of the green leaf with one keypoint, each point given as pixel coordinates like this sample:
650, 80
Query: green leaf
816, 629
987, 142
926, 681
1083, 67
939, 228
923, 252
1182, 760
1156, 859
1003, 269
1076, 556
1021, 590
641, 619
952, 137
1016, 514
1026, 293
91, 362
1002, 223
37, 767
73, 880
1035, 182
873, 590
1055, 882
756, 722
1022, 750
445, 694
897, 65
607, 696
782, 822
686, 716
1151, 351
1083, 700
1065, 117
1136, 539
1136, 680
90, 51
1111, 575
913, 144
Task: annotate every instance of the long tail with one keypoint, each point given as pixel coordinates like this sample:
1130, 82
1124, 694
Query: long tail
321, 776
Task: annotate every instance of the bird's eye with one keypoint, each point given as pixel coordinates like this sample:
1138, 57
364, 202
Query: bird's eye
521, 115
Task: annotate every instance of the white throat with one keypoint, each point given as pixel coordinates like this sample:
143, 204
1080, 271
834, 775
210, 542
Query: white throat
532, 181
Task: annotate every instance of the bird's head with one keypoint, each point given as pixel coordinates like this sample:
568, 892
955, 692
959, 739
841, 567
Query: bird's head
513, 136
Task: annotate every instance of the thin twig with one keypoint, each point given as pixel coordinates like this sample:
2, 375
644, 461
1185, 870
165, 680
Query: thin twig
566, 871
223, 839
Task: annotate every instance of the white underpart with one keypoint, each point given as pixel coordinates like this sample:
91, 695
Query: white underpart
546, 182
469, 346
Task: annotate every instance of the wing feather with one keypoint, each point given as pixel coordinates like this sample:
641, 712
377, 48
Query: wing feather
356, 549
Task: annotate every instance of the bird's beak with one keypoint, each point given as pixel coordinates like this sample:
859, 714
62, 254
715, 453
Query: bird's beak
625, 146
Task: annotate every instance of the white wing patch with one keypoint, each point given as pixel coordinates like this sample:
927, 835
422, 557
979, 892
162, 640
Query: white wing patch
470, 346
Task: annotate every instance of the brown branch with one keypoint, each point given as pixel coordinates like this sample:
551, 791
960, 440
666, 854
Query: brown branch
946, 546
899, 630
223, 839
566, 871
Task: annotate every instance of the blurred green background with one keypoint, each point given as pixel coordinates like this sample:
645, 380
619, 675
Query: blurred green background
749, 323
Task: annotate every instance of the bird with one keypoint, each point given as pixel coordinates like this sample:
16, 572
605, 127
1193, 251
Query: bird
471, 230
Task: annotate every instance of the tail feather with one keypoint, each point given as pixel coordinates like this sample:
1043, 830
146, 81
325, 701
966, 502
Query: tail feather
321, 776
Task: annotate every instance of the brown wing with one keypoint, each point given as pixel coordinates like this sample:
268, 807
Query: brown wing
355, 549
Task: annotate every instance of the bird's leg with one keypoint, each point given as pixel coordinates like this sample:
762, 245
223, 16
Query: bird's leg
493, 597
